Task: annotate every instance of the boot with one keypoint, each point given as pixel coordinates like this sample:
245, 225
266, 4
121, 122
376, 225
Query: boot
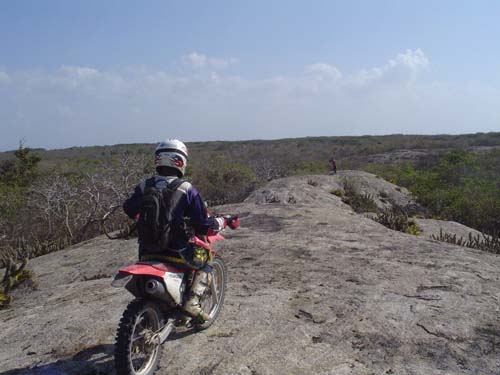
198, 288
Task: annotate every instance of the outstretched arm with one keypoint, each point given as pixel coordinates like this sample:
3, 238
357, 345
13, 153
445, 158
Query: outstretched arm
210, 225
197, 213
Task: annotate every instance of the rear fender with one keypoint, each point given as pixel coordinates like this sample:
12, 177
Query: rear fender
149, 269
172, 278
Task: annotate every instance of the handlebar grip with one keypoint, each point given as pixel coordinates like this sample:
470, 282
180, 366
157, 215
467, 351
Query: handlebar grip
234, 222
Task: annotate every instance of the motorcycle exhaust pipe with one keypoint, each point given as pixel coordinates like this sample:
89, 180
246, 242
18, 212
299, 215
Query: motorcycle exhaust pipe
155, 288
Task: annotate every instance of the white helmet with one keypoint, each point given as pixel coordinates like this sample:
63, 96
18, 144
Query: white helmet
172, 153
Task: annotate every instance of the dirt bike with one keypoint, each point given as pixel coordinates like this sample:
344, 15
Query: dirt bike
160, 290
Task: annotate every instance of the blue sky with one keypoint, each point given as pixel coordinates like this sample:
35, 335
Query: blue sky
104, 72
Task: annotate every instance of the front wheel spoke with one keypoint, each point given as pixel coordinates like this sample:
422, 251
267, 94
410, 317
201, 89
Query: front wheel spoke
213, 284
213, 291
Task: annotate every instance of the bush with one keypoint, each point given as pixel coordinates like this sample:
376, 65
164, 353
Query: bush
396, 218
20, 171
483, 242
222, 181
14, 276
63, 206
359, 202
309, 167
457, 185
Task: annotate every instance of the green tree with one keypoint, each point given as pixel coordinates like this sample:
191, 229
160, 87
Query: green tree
459, 186
22, 170
223, 181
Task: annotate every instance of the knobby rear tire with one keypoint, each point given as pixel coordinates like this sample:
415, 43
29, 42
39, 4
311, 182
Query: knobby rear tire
123, 355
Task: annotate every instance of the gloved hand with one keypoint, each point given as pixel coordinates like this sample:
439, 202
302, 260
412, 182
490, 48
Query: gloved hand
233, 222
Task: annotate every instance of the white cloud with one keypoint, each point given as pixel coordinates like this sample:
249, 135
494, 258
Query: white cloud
324, 71
415, 60
199, 60
195, 60
79, 71
222, 63
82, 105
320, 77
404, 68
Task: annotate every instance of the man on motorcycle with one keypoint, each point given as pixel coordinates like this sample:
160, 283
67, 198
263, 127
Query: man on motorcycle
186, 202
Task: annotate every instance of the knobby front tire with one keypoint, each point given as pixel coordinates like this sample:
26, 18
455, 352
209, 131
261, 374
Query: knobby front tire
210, 304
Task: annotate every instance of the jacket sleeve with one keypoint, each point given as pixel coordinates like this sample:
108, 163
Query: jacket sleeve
132, 205
197, 213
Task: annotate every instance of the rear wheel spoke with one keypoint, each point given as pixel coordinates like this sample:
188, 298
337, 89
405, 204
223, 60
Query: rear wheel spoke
143, 352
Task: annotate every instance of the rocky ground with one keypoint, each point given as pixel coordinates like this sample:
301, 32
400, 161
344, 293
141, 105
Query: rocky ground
313, 289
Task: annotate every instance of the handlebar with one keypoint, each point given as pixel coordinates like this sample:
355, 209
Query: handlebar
232, 222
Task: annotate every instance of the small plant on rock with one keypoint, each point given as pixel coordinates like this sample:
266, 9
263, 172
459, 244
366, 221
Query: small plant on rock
396, 218
337, 192
359, 202
13, 277
483, 242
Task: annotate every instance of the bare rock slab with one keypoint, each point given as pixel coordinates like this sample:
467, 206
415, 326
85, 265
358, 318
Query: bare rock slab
313, 289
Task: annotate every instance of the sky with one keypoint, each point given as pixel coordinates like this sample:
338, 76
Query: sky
76, 73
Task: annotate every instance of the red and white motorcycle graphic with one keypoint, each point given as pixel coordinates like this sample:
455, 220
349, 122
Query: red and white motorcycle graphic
160, 291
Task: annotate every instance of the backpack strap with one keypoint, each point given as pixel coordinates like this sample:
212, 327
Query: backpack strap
174, 185
169, 193
150, 182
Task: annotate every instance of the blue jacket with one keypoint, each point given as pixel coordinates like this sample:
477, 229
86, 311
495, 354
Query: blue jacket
188, 205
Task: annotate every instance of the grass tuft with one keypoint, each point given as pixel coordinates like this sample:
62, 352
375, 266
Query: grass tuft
490, 244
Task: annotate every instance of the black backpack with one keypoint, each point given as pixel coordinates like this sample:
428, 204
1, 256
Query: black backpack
156, 213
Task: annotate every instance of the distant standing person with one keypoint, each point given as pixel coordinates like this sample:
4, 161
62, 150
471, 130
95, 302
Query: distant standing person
333, 164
